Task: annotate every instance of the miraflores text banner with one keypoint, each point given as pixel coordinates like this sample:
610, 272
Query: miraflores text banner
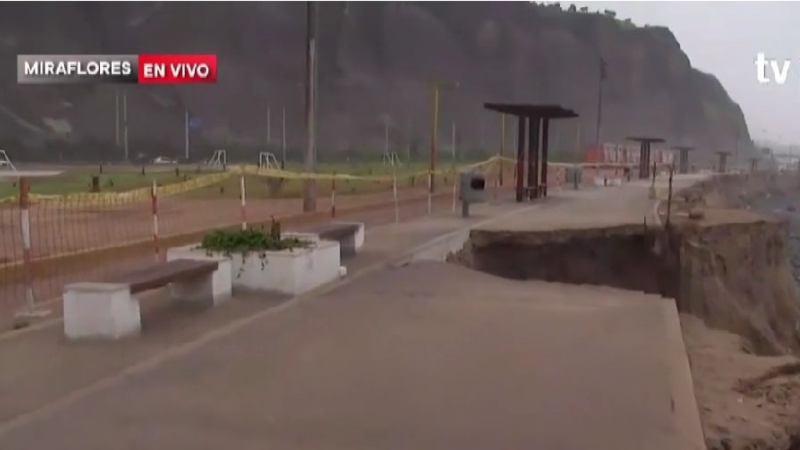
141, 69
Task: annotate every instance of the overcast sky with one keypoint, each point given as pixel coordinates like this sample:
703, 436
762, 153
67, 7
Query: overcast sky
723, 39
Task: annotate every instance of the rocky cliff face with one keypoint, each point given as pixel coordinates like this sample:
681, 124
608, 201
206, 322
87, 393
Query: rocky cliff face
377, 65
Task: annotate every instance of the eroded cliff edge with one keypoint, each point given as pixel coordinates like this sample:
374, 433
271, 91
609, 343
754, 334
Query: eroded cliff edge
728, 267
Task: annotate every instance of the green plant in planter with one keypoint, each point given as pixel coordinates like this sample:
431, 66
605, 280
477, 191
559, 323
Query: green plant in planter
245, 242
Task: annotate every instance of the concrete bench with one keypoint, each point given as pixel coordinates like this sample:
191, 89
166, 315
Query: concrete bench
110, 310
350, 235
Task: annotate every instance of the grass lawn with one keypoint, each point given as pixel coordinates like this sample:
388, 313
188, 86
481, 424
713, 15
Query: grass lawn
123, 178
113, 179
263, 187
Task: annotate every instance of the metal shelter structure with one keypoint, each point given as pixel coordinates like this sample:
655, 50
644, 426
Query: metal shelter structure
537, 119
644, 153
754, 164
683, 161
723, 161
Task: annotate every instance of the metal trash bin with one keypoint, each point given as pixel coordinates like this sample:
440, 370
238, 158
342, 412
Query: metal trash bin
473, 190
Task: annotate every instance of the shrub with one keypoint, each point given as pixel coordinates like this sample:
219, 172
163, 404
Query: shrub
246, 241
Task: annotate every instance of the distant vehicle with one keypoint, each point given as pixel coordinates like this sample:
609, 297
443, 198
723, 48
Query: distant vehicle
164, 160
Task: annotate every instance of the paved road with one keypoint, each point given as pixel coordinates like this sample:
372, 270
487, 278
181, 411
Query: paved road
428, 355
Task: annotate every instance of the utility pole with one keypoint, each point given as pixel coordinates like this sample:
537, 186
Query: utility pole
283, 137
502, 147
125, 122
453, 142
409, 138
310, 186
434, 138
600, 101
269, 127
186, 134
116, 120
386, 139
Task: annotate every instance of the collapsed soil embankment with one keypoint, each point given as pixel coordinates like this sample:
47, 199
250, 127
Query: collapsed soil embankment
735, 276
727, 266
620, 256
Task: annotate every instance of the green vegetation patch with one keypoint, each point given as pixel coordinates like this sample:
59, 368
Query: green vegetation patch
246, 241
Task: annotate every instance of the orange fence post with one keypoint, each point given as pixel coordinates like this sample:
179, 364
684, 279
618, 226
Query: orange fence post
430, 191
333, 195
154, 204
394, 195
502, 147
455, 189
243, 195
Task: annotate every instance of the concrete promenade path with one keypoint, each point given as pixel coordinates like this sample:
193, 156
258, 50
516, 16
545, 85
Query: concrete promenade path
424, 355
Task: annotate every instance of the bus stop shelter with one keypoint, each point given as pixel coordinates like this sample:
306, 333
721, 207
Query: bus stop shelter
537, 120
645, 143
683, 161
722, 164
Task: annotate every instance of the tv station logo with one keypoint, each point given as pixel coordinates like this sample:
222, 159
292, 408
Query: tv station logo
140, 69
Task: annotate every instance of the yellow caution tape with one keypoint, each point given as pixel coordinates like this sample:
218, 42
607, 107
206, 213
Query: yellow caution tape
141, 194
138, 194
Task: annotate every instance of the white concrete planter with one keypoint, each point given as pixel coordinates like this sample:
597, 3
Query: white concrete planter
287, 271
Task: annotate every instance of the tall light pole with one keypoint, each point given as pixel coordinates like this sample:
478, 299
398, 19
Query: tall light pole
502, 148
125, 122
116, 120
453, 142
269, 127
283, 137
386, 139
435, 135
310, 186
434, 138
186, 134
600, 101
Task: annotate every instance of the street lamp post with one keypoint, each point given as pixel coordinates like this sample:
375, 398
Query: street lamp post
435, 136
283, 138
600, 101
310, 186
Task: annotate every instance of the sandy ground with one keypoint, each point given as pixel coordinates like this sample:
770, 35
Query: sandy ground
746, 402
